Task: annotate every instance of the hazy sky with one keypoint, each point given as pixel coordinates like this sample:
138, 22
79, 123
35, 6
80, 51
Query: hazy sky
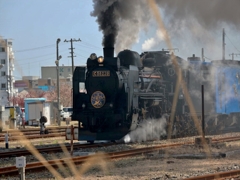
35, 25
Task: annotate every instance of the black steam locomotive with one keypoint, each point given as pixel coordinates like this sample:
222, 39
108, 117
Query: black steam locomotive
113, 95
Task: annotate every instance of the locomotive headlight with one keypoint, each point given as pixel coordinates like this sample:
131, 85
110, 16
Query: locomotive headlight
100, 59
93, 56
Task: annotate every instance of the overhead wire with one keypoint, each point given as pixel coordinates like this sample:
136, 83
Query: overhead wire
63, 53
87, 45
82, 45
81, 55
36, 57
36, 61
232, 43
88, 52
31, 49
91, 45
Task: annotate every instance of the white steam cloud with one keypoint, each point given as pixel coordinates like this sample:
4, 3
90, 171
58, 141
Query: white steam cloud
152, 42
149, 129
187, 21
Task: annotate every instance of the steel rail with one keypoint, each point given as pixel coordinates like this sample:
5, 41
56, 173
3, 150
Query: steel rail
11, 170
32, 132
37, 166
55, 149
34, 129
16, 153
219, 175
14, 138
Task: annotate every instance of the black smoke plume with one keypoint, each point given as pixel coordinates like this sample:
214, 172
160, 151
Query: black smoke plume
107, 20
121, 21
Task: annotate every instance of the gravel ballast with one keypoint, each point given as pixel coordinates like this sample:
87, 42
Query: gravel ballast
163, 164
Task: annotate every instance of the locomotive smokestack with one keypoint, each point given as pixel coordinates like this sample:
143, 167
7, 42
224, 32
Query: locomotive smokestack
108, 52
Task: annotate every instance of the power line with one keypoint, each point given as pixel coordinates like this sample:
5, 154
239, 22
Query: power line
88, 47
81, 55
232, 43
36, 61
24, 50
91, 45
36, 57
86, 51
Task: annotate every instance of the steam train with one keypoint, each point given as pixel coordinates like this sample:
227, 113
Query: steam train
113, 95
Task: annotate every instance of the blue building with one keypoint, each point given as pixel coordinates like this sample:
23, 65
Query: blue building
33, 108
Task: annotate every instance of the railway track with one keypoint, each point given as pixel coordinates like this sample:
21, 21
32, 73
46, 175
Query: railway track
33, 136
16, 153
38, 166
55, 149
33, 133
32, 129
220, 176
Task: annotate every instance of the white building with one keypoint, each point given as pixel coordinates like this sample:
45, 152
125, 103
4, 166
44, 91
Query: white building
7, 90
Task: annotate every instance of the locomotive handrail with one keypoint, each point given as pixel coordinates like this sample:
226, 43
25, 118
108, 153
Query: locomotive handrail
147, 94
150, 76
152, 98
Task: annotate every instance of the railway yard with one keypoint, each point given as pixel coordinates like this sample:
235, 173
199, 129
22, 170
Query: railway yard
177, 158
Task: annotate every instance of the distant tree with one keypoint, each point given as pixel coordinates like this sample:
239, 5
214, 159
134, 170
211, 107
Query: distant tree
65, 95
17, 100
36, 93
32, 93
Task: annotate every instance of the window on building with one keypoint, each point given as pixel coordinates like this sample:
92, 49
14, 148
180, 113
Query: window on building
3, 86
3, 61
9, 43
2, 49
3, 73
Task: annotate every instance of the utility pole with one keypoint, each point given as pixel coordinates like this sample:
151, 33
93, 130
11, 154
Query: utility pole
9, 89
203, 55
58, 88
72, 40
223, 45
233, 55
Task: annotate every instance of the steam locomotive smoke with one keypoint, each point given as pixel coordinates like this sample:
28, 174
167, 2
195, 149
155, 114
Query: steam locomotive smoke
121, 21
107, 20
150, 129
207, 13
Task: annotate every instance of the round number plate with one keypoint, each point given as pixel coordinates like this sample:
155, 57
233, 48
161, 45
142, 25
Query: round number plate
98, 99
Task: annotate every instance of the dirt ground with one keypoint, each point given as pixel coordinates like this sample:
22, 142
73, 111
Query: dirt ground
163, 164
